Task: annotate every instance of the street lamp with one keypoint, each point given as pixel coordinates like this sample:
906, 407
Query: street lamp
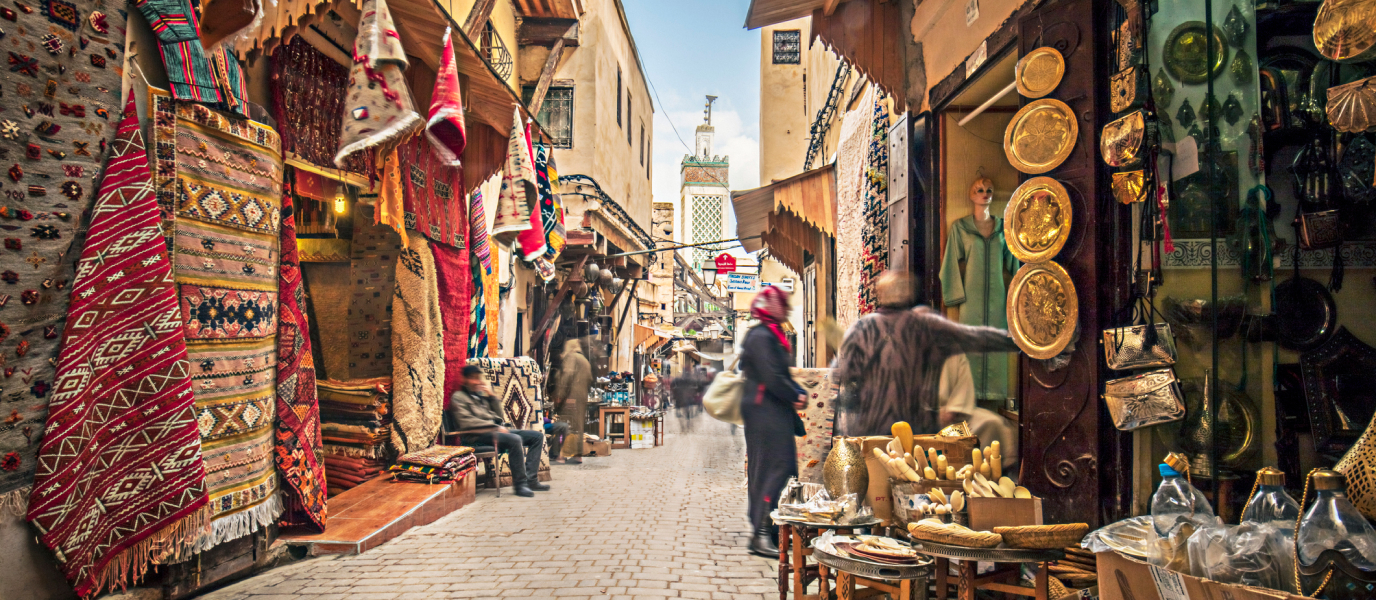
709, 271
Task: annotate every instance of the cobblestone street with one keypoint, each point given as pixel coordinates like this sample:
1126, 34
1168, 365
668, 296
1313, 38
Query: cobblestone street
655, 523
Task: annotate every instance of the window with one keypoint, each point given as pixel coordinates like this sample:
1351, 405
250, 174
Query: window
618, 96
628, 117
788, 47
642, 143
556, 113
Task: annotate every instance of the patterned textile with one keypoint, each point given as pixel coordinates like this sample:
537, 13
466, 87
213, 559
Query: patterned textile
531, 242
445, 128
518, 194
819, 419
850, 166
212, 77
217, 253
387, 206
874, 229
432, 194
308, 96
372, 268
417, 350
434, 456
477, 317
120, 470
231, 326
551, 207
53, 137
454, 277
298, 411
520, 384
379, 108
478, 242
479, 255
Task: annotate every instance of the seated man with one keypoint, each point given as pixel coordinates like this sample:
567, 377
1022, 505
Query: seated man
474, 410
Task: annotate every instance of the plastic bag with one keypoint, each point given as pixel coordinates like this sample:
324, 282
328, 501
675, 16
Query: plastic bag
1171, 551
1128, 536
1253, 554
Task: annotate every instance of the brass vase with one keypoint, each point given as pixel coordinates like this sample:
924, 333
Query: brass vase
844, 471
1358, 465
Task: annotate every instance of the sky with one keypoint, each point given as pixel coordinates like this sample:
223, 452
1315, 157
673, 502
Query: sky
692, 48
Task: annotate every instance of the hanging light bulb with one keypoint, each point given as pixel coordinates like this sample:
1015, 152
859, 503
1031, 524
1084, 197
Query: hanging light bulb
341, 205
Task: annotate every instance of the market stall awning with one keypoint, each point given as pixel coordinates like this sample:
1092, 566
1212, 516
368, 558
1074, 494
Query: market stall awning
645, 334
788, 215
769, 12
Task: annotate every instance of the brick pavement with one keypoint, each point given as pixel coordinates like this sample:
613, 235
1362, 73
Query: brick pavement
656, 523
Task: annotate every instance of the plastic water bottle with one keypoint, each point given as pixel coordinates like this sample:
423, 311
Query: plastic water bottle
1271, 505
1333, 523
1177, 500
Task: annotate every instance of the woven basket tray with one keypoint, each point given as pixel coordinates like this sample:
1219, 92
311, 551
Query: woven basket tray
972, 539
1043, 537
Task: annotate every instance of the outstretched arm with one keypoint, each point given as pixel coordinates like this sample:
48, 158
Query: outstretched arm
969, 338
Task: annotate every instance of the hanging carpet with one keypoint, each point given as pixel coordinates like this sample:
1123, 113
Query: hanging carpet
120, 472
519, 384
455, 280
417, 350
445, 129
195, 74
874, 229
372, 270
62, 92
819, 418
551, 206
379, 109
517, 195
480, 326
432, 193
531, 241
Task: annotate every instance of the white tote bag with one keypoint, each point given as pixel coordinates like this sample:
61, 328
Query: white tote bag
722, 399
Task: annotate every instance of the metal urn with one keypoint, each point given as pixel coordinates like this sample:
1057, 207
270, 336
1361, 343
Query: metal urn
844, 471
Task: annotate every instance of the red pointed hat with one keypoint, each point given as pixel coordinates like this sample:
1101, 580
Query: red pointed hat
445, 129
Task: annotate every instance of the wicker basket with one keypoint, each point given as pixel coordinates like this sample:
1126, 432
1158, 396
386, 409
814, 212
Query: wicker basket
968, 539
1043, 537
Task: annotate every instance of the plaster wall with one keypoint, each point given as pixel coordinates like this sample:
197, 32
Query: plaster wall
942, 25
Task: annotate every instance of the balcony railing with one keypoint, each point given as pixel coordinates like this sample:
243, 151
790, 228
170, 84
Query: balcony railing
494, 50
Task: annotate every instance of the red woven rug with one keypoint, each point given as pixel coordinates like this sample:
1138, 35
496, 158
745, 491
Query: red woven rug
120, 475
297, 446
455, 278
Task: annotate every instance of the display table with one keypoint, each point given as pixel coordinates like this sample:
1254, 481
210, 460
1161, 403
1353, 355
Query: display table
613, 425
900, 582
969, 580
795, 546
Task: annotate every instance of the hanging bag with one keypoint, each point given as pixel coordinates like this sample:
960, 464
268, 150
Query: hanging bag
1144, 344
722, 400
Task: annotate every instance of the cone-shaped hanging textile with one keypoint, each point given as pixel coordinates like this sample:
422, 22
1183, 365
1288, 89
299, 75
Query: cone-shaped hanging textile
445, 129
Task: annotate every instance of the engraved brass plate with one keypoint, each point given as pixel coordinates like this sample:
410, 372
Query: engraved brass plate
1345, 30
1040, 136
1042, 309
1121, 143
1185, 53
1040, 72
1129, 187
1037, 220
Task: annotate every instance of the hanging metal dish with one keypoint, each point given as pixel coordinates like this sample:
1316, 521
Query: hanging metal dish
1307, 314
1037, 220
1040, 72
1040, 136
1122, 141
1186, 57
1130, 187
1352, 106
1042, 309
1345, 30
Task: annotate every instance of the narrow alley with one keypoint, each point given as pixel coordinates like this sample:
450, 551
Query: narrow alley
654, 523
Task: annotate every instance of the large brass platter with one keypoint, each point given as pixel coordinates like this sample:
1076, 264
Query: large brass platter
1042, 309
1184, 53
1121, 141
1345, 30
1037, 220
1040, 72
1040, 136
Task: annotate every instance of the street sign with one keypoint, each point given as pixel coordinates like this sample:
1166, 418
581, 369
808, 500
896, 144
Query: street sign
742, 282
725, 264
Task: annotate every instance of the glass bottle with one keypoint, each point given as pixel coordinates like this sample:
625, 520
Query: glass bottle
1332, 523
1177, 500
1271, 504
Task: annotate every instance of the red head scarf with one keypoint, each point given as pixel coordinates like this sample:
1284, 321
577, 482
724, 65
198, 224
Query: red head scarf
771, 308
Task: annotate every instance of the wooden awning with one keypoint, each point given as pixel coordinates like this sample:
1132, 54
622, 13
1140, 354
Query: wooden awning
769, 12
788, 215
558, 9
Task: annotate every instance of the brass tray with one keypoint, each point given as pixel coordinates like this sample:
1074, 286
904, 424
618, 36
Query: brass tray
1123, 140
1130, 187
1042, 309
998, 555
1040, 72
1345, 30
1037, 220
1040, 136
1184, 53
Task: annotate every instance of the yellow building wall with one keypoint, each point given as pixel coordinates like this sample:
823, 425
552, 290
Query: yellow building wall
503, 20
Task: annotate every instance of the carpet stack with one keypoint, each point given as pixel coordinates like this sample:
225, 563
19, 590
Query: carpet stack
436, 464
356, 425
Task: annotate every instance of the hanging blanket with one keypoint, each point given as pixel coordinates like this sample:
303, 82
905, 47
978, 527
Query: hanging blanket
379, 109
517, 195
230, 323
551, 207
819, 419
445, 129
298, 413
480, 257
455, 277
874, 230
531, 241
196, 75
519, 384
372, 272
120, 471
850, 173
417, 350
307, 100
432, 194
53, 156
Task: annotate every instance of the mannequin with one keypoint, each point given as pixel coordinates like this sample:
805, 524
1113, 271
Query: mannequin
980, 288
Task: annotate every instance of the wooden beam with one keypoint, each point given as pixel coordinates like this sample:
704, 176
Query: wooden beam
630, 301
537, 98
545, 32
830, 7
477, 18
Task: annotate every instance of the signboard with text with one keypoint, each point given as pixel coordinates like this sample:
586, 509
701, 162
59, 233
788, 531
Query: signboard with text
725, 264
742, 282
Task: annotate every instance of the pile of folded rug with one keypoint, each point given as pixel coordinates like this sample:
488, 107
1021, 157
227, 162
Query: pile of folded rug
356, 425
436, 464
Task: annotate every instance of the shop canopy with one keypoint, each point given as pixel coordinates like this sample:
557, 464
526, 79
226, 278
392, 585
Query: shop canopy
788, 215
645, 334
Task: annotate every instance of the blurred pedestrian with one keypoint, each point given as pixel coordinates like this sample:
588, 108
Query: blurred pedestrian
571, 399
769, 408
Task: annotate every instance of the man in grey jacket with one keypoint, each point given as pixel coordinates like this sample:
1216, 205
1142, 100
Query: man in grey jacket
475, 410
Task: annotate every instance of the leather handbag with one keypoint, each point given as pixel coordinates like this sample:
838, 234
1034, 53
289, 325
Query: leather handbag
1144, 344
1149, 398
722, 400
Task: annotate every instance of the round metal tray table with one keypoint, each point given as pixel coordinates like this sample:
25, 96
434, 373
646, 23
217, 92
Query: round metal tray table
970, 580
794, 570
901, 582
999, 555
781, 520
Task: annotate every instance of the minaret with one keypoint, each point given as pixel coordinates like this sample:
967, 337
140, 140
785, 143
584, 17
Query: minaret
704, 193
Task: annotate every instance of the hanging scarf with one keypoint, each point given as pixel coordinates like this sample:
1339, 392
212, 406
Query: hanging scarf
445, 129
771, 308
379, 107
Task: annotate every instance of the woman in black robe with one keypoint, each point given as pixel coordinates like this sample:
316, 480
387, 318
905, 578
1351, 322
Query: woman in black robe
769, 402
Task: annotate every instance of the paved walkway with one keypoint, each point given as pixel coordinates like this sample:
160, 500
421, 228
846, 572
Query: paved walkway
656, 523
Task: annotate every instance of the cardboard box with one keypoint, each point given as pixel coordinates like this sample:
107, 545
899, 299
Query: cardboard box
602, 448
988, 513
1125, 578
877, 494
